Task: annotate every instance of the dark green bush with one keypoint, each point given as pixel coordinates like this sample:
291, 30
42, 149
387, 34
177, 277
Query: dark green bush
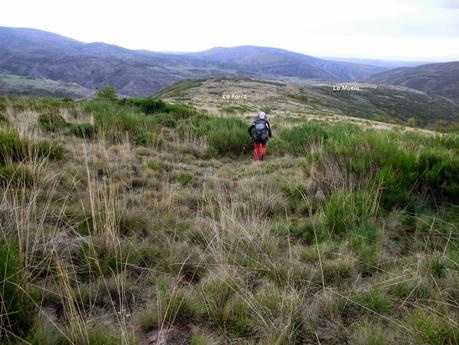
146, 105
233, 140
299, 137
225, 135
15, 176
373, 301
395, 193
439, 171
165, 119
3, 119
52, 122
83, 130
146, 138
49, 150
154, 165
2, 103
238, 318
156, 106
365, 240
184, 179
12, 148
344, 210
112, 119
16, 308
108, 93
140, 138
432, 329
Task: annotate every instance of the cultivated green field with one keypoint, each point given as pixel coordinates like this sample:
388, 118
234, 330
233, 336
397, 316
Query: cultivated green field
18, 85
138, 221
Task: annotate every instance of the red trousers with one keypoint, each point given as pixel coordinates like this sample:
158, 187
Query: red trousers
259, 151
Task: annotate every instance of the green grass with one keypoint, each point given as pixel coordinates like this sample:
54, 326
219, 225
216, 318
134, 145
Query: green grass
162, 234
17, 308
433, 330
15, 176
83, 130
169, 306
226, 136
52, 122
153, 165
373, 302
184, 179
12, 148
16, 80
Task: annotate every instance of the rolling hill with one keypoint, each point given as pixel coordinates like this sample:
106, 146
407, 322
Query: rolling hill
366, 101
38, 54
441, 79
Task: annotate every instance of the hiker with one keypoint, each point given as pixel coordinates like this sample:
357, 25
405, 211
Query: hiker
260, 131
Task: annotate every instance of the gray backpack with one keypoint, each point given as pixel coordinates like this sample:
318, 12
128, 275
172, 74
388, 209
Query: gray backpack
260, 132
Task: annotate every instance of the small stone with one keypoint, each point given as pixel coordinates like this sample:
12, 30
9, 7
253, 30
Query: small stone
168, 336
63, 243
320, 196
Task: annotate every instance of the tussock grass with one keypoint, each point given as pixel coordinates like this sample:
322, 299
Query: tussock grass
158, 219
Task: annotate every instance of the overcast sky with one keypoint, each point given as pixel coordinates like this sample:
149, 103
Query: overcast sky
425, 30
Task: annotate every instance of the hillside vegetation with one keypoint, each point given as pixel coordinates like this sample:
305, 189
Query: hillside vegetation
17, 85
320, 101
138, 221
441, 79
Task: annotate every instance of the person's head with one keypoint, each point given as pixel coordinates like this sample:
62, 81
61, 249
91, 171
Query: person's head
262, 115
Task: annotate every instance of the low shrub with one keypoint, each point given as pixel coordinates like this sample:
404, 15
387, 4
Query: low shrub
153, 165
439, 171
12, 148
238, 318
155, 105
298, 138
373, 301
184, 179
3, 119
49, 150
344, 210
16, 307
83, 130
365, 239
15, 177
113, 120
433, 330
171, 305
107, 93
52, 122
233, 140
15, 149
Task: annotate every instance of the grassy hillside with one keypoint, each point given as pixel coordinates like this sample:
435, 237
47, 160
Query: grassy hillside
441, 79
321, 101
17, 85
139, 221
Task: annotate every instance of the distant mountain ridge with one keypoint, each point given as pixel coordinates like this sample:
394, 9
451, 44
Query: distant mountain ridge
389, 64
441, 79
280, 62
39, 54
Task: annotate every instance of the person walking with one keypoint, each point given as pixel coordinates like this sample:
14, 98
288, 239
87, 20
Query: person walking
260, 131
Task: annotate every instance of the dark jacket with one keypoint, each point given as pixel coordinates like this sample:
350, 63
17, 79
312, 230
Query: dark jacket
268, 127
